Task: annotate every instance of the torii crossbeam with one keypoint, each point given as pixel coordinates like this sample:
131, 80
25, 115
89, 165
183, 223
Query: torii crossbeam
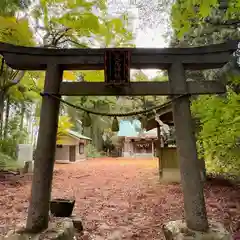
174, 60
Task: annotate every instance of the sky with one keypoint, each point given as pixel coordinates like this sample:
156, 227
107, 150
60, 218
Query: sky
152, 39
147, 38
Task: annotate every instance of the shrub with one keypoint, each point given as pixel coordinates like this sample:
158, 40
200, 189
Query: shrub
7, 163
91, 151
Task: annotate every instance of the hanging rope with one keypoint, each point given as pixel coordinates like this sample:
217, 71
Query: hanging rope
133, 113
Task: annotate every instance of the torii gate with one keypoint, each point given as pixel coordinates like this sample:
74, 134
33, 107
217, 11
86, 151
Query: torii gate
117, 63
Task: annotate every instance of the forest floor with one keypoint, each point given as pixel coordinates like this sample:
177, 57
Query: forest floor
118, 197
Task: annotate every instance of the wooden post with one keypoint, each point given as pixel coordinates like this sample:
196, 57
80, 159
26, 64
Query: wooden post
159, 151
45, 153
194, 204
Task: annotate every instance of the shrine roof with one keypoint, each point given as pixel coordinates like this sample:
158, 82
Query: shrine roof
165, 113
129, 128
132, 129
77, 135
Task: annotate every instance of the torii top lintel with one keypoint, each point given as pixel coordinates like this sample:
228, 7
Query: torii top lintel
36, 58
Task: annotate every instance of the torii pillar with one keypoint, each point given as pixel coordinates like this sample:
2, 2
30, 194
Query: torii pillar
45, 155
194, 204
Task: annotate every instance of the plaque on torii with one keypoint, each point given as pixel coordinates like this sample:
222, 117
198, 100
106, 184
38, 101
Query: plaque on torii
117, 67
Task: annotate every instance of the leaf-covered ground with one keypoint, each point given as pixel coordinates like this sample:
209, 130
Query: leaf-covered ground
118, 198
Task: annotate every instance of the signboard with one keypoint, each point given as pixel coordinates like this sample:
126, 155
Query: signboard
117, 66
143, 145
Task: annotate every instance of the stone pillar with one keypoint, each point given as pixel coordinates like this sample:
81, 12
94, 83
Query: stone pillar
126, 148
131, 149
24, 154
45, 153
152, 148
159, 151
194, 204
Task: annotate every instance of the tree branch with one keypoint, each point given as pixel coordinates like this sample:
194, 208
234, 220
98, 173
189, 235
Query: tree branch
227, 23
74, 42
61, 35
15, 81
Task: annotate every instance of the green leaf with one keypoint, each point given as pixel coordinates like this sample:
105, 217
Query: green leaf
93, 76
118, 24
15, 31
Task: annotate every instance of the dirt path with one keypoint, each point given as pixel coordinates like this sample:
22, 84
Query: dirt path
117, 197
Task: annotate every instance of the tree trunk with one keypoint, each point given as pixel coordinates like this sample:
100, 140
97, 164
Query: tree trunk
98, 139
29, 126
22, 116
45, 153
2, 96
6, 117
94, 134
87, 131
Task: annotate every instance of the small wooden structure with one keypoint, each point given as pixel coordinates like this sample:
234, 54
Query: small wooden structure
169, 168
141, 146
71, 147
174, 60
135, 142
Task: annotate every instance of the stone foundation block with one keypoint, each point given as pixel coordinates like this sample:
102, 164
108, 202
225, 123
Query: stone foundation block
77, 223
62, 230
177, 230
171, 175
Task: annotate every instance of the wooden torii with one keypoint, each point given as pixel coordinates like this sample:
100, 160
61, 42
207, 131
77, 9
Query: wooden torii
117, 63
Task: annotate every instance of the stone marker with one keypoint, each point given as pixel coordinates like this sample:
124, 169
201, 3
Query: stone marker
177, 230
25, 157
61, 230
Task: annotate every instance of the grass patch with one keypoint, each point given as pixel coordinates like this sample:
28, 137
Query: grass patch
7, 163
